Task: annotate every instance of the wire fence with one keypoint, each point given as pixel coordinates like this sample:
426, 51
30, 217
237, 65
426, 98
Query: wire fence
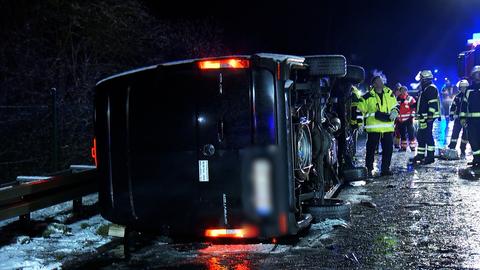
28, 139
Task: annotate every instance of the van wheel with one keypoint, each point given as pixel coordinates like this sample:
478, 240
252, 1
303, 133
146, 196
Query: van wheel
327, 65
355, 74
331, 209
354, 174
303, 151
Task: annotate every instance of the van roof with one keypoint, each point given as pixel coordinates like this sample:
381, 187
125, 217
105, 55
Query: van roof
273, 56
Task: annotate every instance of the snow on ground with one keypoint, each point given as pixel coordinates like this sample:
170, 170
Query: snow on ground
61, 240
58, 241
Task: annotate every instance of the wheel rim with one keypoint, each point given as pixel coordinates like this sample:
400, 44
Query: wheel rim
304, 150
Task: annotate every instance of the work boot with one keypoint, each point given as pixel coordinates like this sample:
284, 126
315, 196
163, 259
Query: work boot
475, 164
428, 160
417, 160
386, 173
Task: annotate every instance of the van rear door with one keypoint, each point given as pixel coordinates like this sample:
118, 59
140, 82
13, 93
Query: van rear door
185, 145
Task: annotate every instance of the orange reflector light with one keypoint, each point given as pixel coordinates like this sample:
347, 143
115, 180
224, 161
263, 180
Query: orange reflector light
94, 150
282, 222
224, 63
231, 233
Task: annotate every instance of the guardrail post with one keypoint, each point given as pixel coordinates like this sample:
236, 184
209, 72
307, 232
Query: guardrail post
24, 218
55, 148
77, 206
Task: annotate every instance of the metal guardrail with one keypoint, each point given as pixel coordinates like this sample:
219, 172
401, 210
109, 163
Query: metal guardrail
36, 192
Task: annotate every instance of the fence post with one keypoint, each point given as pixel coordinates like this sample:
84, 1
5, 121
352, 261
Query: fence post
55, 148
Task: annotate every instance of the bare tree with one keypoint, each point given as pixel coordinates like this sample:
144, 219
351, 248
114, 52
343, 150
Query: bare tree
69, 45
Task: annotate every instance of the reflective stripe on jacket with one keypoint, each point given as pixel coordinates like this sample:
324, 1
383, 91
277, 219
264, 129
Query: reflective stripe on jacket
428, 104
356, 116
407, 107
456, 106
470, 109
371, 103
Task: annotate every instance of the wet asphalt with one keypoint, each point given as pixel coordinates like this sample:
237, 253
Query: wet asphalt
419, 218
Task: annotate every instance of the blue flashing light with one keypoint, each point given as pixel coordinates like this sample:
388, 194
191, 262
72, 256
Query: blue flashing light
435, 71
271, 127
475, 41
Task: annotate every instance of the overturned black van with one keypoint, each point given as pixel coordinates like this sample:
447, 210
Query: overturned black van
238, 146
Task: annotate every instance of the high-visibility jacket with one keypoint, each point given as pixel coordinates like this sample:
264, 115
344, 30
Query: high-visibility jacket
456, 107
407, 107
373, 103
428, 105
471, 106
356, 116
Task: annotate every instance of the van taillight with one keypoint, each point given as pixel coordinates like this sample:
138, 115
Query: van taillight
224, 63
246, 232
94, 150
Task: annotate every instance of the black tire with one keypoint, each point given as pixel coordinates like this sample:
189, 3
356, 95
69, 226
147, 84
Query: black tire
331, 209
354, 174
355, 74
327, 65
302, 163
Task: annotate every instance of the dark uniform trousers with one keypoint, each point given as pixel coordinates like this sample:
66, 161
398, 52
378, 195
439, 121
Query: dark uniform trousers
425, 139
457, 127
386, 139
471, 113
473, 126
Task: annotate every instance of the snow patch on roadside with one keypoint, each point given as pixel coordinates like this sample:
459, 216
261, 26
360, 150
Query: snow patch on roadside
49, 252
59, 241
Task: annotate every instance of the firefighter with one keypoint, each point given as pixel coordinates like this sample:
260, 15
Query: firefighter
380, 110
405, 119
356, 116
470, 116
428, 110
396, 134
454, 114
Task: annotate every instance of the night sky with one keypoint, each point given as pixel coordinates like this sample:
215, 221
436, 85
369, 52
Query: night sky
398, 37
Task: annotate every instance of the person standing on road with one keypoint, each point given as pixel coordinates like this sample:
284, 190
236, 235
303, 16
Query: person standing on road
470, 115
405, 119
396, 134
428, 110
454, 115
446, 98
380, 109
356, 116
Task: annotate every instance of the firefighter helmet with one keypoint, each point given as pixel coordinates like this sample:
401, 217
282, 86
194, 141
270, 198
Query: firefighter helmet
426, 74
463, 83
475, 69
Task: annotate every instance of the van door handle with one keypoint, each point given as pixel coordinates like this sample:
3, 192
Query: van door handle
221, 134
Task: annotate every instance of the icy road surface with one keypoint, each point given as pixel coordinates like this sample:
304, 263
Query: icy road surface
427, 218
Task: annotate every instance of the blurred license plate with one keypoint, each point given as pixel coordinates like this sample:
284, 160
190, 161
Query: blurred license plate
203, 170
